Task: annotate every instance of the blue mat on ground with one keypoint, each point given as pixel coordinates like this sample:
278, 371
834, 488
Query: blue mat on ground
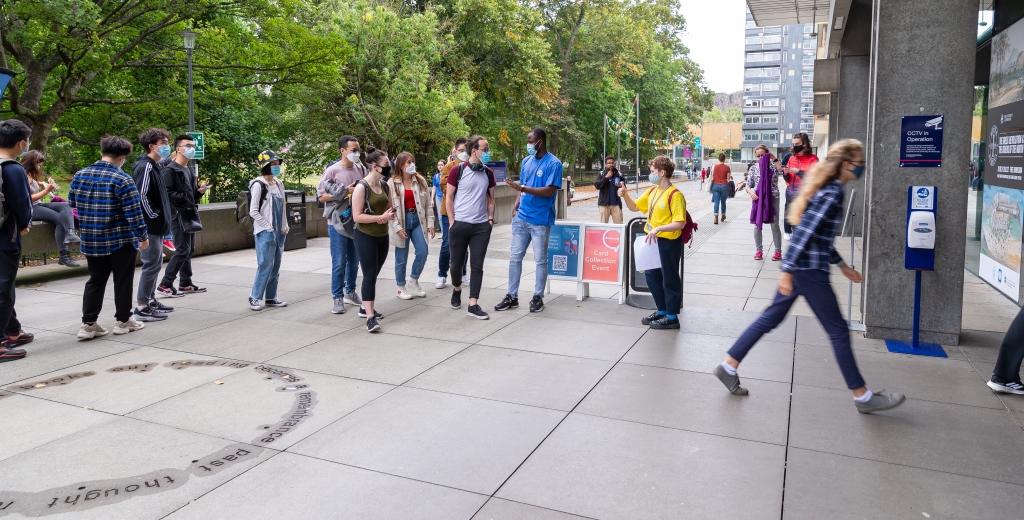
907, 347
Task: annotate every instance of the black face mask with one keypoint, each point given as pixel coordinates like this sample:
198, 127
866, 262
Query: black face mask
385, 171
798, 148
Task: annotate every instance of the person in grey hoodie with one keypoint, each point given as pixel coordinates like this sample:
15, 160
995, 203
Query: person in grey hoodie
156, 211
270, 228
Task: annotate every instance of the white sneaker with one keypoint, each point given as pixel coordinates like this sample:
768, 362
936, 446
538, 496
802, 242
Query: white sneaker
404, 293
91, 331
414, 287
442, 282
787, 236
124, 327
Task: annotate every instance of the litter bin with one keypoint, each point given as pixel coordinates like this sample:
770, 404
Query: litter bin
296, 212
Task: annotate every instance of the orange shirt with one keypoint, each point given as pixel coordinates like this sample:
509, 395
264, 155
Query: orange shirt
722, 174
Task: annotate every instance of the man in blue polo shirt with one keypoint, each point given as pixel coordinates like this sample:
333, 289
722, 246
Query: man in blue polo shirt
540, 178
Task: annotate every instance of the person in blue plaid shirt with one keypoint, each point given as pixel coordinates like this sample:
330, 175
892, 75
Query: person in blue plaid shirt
112, 230
816, 213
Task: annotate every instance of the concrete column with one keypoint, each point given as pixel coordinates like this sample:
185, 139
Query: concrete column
851, 105
922, 63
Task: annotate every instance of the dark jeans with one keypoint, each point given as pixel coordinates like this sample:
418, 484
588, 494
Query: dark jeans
445, 259
1011, 353
814, 286
665, 285
60, 215
181, 262
372, 252
786, 226
471, 238
121, 264
8, 271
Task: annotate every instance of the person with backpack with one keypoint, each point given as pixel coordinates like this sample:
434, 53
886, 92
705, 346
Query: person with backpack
156, 211
470, 202
665, 207
763, 187
269, 229
412, 226
458, 156
15, 220
183, 192
341, 177
372, 211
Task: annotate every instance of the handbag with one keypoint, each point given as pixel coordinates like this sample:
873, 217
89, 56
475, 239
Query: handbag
190, 224
732, 189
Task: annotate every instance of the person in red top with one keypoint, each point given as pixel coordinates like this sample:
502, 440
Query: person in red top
799, 163
720, 177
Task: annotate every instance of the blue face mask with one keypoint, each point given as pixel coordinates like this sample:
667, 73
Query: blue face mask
164, 151
531, 149
485, 157
654, 178
26, 150
275, 170
858, 170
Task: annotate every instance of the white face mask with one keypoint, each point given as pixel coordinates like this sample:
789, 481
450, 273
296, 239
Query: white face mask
463, 156
411, 169
353, 157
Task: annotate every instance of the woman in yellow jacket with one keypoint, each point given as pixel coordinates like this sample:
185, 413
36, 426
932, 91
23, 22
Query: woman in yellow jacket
412, 224
665, 207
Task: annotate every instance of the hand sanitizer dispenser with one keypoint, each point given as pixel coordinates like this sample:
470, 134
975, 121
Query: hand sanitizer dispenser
921, 230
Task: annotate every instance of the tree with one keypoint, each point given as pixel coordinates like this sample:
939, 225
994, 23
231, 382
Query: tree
714, 115
734, 115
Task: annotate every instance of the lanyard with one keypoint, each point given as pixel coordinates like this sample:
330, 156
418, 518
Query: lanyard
650, 213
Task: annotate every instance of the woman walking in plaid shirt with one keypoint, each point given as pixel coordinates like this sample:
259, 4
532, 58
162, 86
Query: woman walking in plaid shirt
816, 214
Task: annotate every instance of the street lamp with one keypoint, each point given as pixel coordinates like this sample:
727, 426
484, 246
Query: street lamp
190, 44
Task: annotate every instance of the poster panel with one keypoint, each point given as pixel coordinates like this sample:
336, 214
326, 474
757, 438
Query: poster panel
563, 251
602, 254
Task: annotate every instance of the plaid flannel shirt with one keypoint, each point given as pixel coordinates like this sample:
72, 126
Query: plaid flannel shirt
811, 246
109, 209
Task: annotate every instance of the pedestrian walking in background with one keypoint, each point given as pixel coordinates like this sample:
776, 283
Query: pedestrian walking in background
457, 157
113, 231
269, 229
435, 192
372, 210
412, 226
703, 177
184, 192
817, 213
57, 213
799, 162
763, 188
721, 174
470, 202
14, 142
1006, 374
156, 213
570, 190
608, 182
340, 178
665, 207
540, 177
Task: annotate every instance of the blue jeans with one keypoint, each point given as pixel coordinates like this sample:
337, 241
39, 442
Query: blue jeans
269, 247
814, 286
522, 234
444, 262
414, 231
719, 194
344, 263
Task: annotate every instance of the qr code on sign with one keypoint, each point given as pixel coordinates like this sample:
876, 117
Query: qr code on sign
561, 263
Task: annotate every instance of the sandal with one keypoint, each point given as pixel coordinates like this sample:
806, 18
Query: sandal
21, 339
7, 354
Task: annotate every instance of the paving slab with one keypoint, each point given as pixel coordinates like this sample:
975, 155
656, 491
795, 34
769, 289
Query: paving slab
716, 322
810, 332
609, 469
592, 311
33, 422
553, 336
462, 442
499, 509
55, 351
446, 323
254, 338
768, 360
179, 322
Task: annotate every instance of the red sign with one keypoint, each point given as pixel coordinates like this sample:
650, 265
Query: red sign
601, 256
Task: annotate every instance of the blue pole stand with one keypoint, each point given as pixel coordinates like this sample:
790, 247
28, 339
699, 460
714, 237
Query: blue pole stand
915, 346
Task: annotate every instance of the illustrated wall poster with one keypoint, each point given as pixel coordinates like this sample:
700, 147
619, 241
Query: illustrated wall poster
563, 251
602, 254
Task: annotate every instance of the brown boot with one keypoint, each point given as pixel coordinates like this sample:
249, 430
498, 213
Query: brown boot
723, 217
716, 219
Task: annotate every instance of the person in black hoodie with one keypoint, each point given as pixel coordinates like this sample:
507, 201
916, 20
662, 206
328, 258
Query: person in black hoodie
184, 192
608, 183
14, 142
156, 209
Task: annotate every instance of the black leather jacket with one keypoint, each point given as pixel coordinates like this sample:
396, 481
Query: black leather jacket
182, 188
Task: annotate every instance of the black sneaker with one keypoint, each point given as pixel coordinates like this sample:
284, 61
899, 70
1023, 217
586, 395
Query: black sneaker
456, 299
536, 304
372, 325
1006, 387
149, 314
508, 302
168, 291
652, 317
664, 323
476, 312
254, 304
276, 303
191, 289
376, 315
156, 304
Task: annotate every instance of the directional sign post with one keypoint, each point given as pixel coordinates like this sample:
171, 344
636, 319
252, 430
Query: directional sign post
200, 145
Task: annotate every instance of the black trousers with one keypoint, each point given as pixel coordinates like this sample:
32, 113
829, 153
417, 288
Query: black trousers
8, 271
372, 252
665, 285
473, 238
181, 261
1011, 353
121, 264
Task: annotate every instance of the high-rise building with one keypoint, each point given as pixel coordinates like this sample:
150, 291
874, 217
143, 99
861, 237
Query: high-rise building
778, 93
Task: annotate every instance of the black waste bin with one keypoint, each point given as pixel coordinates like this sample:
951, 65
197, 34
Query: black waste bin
296, 212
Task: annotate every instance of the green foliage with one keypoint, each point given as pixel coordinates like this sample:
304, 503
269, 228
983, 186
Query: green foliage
714, 115
734, 115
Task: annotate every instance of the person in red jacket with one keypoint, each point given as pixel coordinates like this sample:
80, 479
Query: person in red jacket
799, 163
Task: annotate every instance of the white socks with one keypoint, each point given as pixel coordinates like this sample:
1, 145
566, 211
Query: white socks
729, 369
864, 398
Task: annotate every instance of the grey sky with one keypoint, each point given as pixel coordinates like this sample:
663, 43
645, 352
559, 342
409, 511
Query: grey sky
714, 35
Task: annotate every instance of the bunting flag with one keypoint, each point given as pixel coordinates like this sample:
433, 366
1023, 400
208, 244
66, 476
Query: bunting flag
675, 138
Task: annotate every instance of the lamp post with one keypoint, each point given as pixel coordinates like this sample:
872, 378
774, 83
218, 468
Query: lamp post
190, 44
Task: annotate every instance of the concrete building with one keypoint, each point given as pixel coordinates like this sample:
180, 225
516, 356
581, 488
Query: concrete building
778, 94
885, 61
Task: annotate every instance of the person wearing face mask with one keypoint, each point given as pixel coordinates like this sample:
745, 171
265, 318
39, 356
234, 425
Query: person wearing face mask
156, 211
763, 187
799, 162
269, 229
816, 213
184, 192
372, 210
470, 202
14, 142
113, 231
344, 258
457, 157
412, 226
665, 207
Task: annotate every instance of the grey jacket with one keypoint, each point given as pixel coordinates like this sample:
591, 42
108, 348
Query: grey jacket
334, 208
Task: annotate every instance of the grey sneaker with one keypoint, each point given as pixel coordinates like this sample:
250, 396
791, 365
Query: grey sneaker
881, 400
339, 306
732, 382
352, 298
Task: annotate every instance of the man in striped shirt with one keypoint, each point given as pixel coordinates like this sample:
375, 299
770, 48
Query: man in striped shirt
112, 230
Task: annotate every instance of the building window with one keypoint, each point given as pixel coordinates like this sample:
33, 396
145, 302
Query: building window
753, 41
807, 29
754, 57
807, 76
750, 136
753, 73
769, 136
772, 56
807, 109
755, 103
751, 24
770, 102
809, 45
767, 87
751, 88
773, 39
751, 120
807, 94
772, 72
809, 54
808, 61
807, 126
769, 120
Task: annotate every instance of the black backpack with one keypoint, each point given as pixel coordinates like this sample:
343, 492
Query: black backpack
242, 204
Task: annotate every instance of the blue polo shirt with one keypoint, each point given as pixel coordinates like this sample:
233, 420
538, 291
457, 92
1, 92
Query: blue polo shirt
539, 173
